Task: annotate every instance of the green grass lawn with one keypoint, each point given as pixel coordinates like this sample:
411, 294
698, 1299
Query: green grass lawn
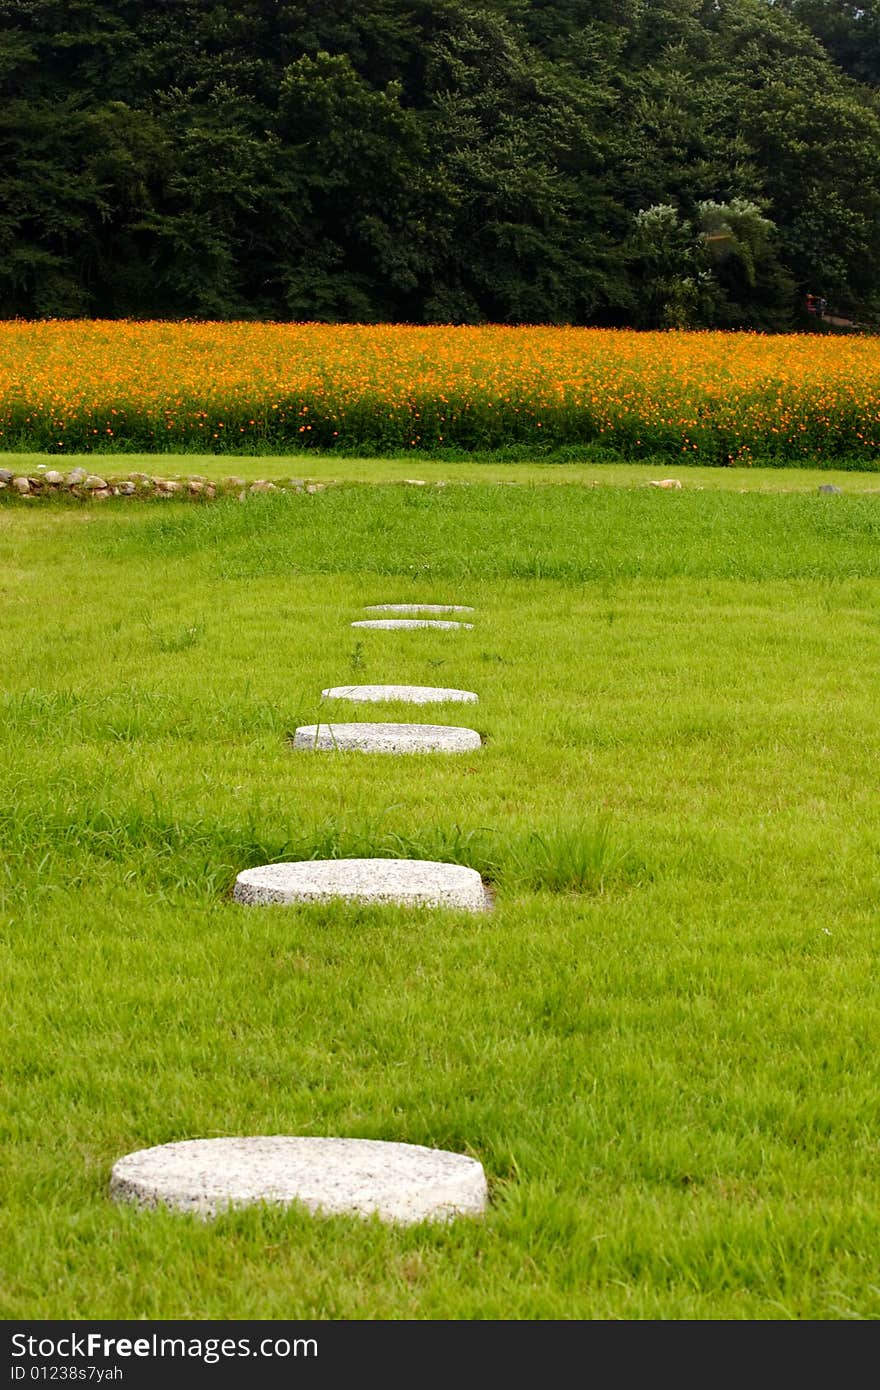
662, 1044
319, 467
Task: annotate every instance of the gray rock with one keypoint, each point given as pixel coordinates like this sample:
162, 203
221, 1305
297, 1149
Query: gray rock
417, 608
76, 476
53, 477
411, 882
404, 1183
387, 738
829, 487
21, 485
6, 475
126, 488
263, 485
93, 482
389, 623
408, 694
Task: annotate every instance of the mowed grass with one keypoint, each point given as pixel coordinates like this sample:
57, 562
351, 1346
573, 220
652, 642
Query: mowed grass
418, 468
662, 1044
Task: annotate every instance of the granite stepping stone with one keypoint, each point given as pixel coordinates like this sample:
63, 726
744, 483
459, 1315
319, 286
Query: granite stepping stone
409, 622
409, 694
412, 882
417, 608
386, 738
403, 1183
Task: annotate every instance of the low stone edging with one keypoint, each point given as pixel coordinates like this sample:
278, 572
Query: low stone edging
79, 482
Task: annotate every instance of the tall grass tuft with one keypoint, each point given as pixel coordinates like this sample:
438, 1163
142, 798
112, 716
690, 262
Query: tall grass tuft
583, 857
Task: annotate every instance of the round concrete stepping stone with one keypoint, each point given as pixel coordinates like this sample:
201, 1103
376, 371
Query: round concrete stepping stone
417, 608
387, 738
409, 622
403, 1183
409, 694
413, 882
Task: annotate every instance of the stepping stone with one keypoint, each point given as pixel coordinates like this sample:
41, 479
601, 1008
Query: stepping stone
408, 622
417, 608
387, 738
413, 882
410, 694
402, 1183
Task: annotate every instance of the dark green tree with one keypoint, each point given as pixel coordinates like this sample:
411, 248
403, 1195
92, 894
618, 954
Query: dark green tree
435, 160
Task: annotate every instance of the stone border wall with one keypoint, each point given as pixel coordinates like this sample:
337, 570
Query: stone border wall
78, 482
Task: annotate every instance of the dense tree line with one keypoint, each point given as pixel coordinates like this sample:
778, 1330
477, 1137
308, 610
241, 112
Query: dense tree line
642, 162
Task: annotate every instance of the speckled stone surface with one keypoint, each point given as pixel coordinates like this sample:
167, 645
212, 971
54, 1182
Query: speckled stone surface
386, 738
417, 608
413, 882
403, 1183
409, 622
408, 694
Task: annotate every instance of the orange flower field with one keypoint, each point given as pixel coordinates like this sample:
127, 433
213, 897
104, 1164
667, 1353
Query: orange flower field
254, 387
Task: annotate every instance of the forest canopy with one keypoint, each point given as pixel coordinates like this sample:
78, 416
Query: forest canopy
610, 162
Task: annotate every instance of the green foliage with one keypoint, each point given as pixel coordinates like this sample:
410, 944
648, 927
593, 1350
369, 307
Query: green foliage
673, 287
849, 30
720, 268
464, 161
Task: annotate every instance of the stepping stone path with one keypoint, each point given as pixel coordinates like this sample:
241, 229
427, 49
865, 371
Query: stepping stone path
412, 882
417, 608
402, 1183
409, 622
387, 738
409, 694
